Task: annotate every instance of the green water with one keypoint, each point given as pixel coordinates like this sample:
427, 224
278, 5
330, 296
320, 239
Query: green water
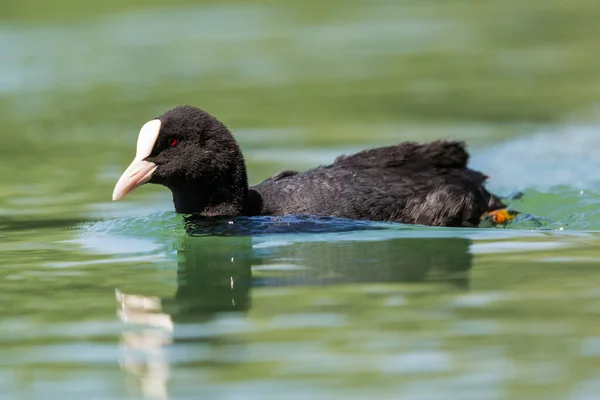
104, 300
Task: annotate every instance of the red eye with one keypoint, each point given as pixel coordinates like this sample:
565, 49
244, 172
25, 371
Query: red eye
174, 142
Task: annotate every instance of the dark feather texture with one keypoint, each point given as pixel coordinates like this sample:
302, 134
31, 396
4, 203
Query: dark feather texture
409, 182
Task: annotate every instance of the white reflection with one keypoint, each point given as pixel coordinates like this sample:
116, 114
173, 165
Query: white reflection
143, 354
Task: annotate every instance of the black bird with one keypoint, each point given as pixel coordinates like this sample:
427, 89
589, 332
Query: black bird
197, 158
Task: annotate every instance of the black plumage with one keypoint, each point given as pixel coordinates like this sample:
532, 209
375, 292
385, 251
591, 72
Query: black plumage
412, 183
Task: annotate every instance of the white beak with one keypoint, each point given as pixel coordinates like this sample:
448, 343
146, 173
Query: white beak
139, 171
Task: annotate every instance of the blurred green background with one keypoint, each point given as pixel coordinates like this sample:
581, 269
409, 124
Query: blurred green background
298, 82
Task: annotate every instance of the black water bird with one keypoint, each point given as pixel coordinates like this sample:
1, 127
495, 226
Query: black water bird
198, 159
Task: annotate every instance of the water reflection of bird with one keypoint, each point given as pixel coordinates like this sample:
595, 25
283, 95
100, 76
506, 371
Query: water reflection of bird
198, 159
407, 260
217, 274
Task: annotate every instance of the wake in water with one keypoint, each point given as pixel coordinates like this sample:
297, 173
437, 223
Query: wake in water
152, 225
556, 174
559, 208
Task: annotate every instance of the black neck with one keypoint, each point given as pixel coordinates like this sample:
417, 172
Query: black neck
199, 198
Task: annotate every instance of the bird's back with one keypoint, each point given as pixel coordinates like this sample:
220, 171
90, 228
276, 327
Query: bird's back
409, 182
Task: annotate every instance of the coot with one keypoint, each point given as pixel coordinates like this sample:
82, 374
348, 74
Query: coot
197, 158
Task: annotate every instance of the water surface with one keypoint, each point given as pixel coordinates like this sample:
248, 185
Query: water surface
127, 301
